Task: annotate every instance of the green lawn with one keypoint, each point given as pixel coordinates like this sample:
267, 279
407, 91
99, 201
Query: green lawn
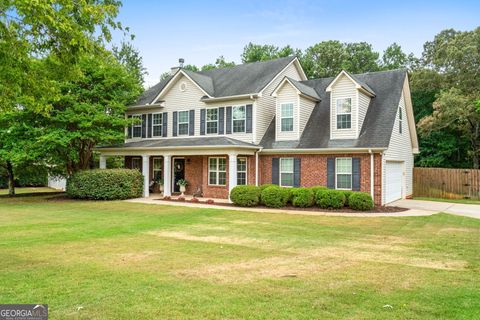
465, 201
117, 260
29, 190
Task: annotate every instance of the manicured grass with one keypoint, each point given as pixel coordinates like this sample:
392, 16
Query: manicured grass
29, 190
119, 260
465, 201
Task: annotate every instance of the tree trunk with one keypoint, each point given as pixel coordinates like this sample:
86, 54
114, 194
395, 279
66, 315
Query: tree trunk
11, 179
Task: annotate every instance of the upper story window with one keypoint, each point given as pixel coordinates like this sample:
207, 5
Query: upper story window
241, 171
344, 113
157, 125
183, 120
400, 120
286, 172
286, 115
212, 121
343, 173
238, 119
137, 126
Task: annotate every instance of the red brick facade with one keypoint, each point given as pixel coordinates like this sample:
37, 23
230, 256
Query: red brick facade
313, 172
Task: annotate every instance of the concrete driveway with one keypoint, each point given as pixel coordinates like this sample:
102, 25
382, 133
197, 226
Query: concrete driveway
467, 210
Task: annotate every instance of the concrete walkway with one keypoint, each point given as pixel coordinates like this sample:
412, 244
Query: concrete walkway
467, 210
408, 213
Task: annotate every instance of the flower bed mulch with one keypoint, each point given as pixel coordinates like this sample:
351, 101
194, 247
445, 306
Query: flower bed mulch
376, 209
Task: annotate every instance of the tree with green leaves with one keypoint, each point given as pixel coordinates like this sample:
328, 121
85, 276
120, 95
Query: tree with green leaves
257, 52
90, 112
219, 63
131, 59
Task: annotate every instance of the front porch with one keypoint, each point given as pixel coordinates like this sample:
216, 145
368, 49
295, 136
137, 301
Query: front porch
210, 174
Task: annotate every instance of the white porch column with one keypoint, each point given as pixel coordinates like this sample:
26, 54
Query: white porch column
103, 162
167, 178
146, 175
232, 172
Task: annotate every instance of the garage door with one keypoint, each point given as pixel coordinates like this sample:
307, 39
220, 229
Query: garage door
394, 179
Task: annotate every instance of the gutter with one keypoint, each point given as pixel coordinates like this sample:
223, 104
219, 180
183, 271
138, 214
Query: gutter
323, 150
147, 148
251, 96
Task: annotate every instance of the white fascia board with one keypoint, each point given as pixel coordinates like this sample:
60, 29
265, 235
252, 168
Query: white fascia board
170, 83
322, 150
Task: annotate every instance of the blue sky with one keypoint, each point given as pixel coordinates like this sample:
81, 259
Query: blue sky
200, 31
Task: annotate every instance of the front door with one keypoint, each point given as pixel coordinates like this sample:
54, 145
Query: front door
178, 172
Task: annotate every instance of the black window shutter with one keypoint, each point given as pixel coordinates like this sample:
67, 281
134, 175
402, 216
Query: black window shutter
202, 121
149, 128
144, 125
249, 118
331, 173
164, 124
174, 123
191, 125
275, 170
129, 128
296, 172
221, 120
229, 120
356, 174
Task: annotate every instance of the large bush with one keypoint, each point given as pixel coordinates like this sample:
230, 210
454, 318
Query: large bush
106, 184
315, 189
360, 201
334, 199
302, 197
347, 194
263, 187
275, 196
245, 196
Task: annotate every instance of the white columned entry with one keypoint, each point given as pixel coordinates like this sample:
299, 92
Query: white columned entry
103, 162
232, 172
167, 178
146, 175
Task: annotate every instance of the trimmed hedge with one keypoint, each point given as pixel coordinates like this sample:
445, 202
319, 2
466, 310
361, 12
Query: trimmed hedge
245, 196
105, 184
347, 194
302, 197
360, 201
263, 187
315, 189
328, 198
275, 196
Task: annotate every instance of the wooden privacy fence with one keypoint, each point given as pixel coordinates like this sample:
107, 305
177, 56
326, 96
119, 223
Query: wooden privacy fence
446, 183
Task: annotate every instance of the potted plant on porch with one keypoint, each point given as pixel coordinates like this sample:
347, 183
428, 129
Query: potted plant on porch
160, 185
182, 183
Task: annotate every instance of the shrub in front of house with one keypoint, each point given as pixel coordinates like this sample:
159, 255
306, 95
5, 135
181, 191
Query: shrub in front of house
315, 189
347, 194
330, 199
245, 196
275, 196
105, 184
361, 201
302, 197
263, 187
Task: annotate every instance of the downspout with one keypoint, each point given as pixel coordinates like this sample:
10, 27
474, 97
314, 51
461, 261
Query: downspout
372, 175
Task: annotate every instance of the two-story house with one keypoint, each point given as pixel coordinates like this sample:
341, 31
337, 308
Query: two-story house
265, 122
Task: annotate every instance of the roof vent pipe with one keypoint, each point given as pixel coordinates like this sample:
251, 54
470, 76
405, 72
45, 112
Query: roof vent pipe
174, 70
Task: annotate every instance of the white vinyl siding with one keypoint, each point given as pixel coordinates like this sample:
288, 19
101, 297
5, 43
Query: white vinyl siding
305, 110
286, 95
343, 88
363, 103
400, 149
266, 106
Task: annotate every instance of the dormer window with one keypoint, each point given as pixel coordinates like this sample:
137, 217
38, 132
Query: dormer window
344, 113
286, 117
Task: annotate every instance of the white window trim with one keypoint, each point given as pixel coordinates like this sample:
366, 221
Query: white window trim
157, 125
137, 158
280, 172
292, 117
217, 171
178, 123
153, 167
244, 119
206, 121
135, 125
336, 173
246, 169
400, 120
343, 113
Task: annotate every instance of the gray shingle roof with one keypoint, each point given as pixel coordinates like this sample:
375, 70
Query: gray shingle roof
183, 142
242, 79
303, 88
377, 126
